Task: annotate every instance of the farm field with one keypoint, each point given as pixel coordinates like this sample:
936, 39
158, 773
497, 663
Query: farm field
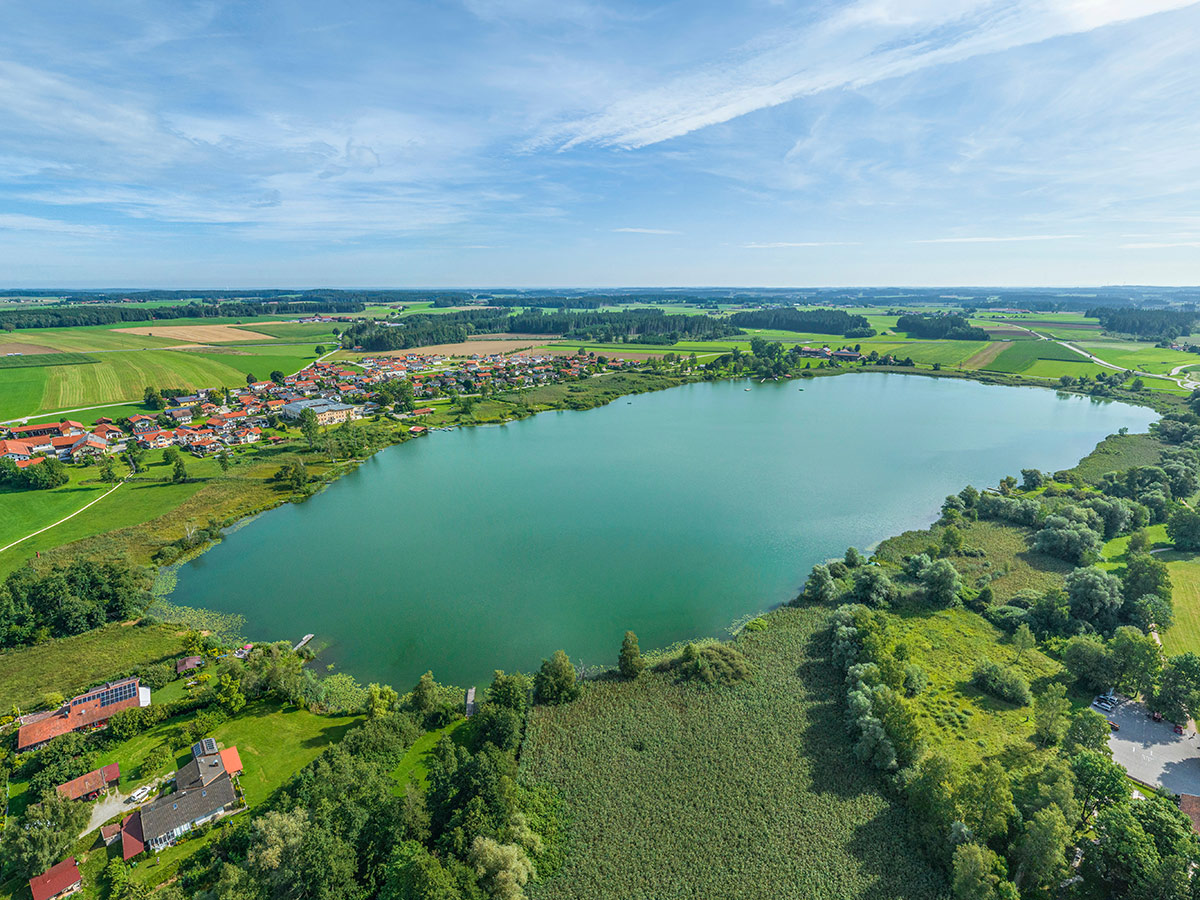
197, 334
1142, 356
1021, 356
73, 664
744, 791
121, 376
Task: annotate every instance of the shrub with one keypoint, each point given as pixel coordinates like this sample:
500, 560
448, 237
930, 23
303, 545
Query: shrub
714, 664
1003, 683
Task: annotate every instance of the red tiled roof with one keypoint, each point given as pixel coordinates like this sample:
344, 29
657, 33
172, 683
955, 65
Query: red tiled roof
26, 463
73, 715
55, 880
132, 840
91, 783
231, 760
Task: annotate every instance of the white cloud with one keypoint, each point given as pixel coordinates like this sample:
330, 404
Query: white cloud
27, 224
778, 245
998, 240
871, 41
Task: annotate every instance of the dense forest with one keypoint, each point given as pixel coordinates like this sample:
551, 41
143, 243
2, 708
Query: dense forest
629, 326
942, 328
814, 321
69, 600
1146, 323
76, 316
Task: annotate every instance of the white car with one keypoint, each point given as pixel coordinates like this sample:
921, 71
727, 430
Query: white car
140, 794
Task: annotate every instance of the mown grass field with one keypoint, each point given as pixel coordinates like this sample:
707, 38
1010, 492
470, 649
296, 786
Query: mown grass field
1184, 635
122, 376
23, 511
146, 497
1140, 355
747, 791
415, 763
1022, 356
73, 664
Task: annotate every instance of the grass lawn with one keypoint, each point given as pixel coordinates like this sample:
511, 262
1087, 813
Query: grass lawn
146, 497
1021, 356
21, 390
23, 511
1140, 355
414, 765
1184, 635
73, 664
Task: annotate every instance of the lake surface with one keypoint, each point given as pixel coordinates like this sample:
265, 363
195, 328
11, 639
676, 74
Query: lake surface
671, 514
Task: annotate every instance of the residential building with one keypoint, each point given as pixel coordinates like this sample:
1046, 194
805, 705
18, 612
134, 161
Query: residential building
203, 791
61, 880
326, 411
91, 785
89, 710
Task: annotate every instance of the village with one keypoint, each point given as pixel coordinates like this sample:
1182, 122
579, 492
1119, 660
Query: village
210, 421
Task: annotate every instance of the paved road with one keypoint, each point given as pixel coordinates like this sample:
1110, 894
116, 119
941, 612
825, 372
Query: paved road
1151, 751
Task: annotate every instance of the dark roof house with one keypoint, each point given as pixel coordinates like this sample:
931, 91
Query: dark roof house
203, 791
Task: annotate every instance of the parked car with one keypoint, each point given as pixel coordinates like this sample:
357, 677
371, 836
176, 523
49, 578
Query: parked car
1179, 729
1157, 717
139, 795
1101, 703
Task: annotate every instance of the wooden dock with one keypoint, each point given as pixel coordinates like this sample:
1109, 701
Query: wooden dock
470, 702
304, 640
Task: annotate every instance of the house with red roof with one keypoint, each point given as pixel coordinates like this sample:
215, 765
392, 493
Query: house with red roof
143, 424
57, 881
91, 785
89, 710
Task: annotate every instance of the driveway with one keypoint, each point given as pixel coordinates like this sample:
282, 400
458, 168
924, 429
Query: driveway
1152, 752
112, 804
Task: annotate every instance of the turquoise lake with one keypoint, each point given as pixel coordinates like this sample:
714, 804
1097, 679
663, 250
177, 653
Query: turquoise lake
672, 514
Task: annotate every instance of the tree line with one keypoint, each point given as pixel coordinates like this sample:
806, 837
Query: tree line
941, 328
815, 321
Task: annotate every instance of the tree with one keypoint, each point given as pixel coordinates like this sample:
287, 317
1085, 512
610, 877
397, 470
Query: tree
381, 700
853, 558
502, 869
1032, 479
1179, 688
1144, 574
1183, 527
251, 378
1137, 662
413, 873
985, 800
424, 695
872, 587
319, 349
278, 376
1090, 662
980, 874
631, 662
309, 427
1023, 640
1051, 711
510, 691
46, 834
46, 475
820, 587
153, 399
108, 470
1095, 597
1099, 782
1040, 853
1088, 731
943, 586
229, 693
952, 540
179, 473
223, 460
555, 681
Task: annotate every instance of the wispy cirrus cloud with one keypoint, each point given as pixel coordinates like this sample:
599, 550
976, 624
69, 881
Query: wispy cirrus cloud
781, 245
40, 225
1007, 239
859, 45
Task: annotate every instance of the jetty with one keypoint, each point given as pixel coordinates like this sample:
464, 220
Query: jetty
470, 702
304, 640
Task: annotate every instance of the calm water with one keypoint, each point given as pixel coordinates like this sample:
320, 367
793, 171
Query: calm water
671, 514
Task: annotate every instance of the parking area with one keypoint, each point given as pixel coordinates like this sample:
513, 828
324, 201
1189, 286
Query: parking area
1152, 752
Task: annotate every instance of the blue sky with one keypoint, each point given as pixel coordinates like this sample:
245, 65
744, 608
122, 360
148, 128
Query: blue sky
570, 142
